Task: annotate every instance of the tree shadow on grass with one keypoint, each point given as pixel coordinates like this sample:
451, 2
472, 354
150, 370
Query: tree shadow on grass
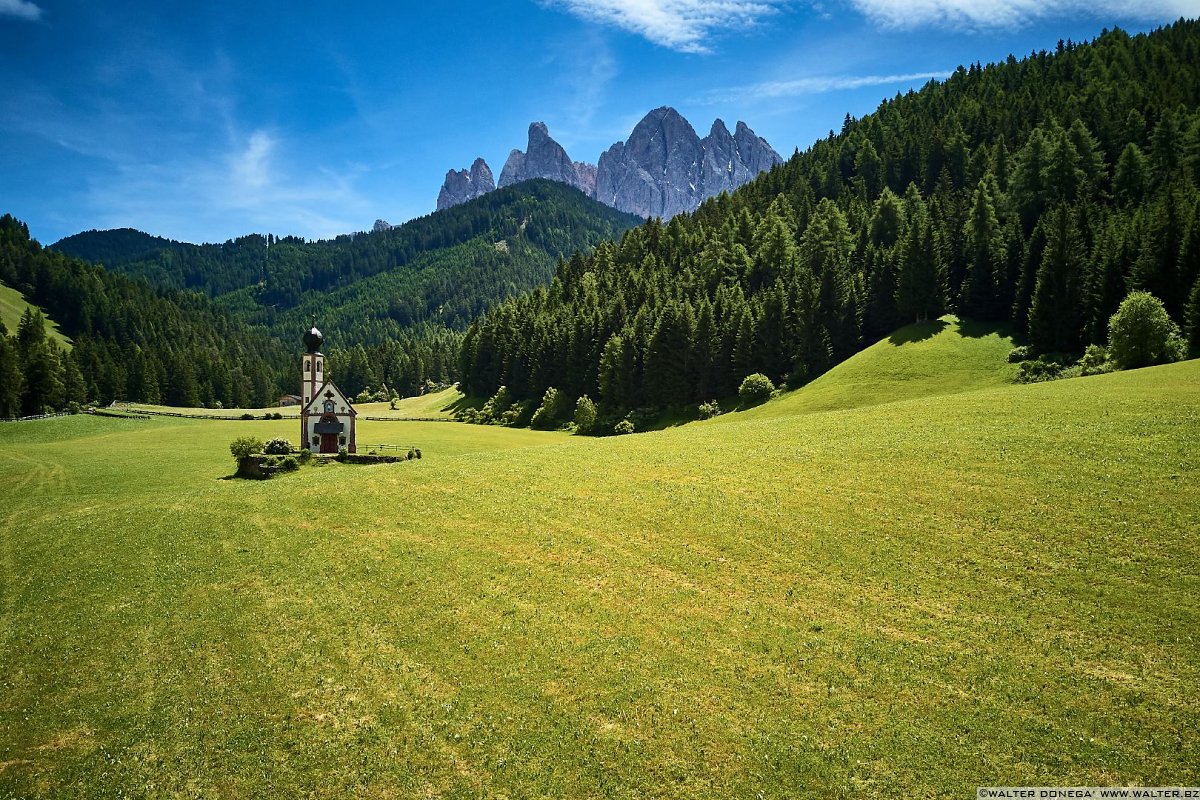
918, 332
978, 329
463, 403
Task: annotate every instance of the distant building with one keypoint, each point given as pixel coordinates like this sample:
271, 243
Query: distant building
326, 415
289, 400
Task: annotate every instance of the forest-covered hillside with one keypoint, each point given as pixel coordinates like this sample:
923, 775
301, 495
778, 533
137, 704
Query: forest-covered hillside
392, 303
443, 268
1034, 192
131, 341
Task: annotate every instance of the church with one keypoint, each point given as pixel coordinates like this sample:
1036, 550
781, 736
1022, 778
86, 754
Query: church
326, 415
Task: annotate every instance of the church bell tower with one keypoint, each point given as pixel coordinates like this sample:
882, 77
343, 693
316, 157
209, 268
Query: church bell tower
313, 376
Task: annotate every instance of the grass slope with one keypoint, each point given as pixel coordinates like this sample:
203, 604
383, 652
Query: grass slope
942, 356
13, 305
916, 597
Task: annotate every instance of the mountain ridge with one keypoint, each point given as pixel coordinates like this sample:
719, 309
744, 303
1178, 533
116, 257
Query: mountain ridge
664, 168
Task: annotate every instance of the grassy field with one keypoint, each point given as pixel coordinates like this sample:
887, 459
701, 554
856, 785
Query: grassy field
13, 305
985, 587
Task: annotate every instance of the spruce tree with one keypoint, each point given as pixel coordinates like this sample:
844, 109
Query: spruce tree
1192, 329
11, 380
920, 278
1131, 180
986, 256
1054, 314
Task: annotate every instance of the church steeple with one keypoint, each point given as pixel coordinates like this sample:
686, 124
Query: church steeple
313, 376
313, 339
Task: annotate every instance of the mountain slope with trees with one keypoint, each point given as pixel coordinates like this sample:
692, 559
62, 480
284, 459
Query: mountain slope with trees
131, 341
1034, 192
392, 303
443, 268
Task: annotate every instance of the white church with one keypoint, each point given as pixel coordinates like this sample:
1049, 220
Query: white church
326, 415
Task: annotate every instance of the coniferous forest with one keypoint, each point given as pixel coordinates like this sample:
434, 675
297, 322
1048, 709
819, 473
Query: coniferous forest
1034, 193
131, 341
392, 303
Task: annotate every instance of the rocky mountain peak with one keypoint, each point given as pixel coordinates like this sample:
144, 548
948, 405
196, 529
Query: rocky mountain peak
463, 185
664, 168
545, 158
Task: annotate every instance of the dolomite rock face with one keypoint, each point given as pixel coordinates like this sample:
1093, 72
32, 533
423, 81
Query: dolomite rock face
664, 168
463, 185
545, 158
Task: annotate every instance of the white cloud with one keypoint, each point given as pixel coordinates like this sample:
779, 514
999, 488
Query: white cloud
251, 167
818, 85
21, 9
683, 25
993, 14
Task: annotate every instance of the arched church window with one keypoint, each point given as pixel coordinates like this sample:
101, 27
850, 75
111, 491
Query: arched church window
307, 365
319, 363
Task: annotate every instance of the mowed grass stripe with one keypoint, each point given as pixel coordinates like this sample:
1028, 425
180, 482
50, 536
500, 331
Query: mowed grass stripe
991, 587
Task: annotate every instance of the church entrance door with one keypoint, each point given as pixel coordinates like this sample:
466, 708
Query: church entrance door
329, 443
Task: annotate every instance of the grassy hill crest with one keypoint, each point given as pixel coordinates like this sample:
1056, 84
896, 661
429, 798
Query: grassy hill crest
942, 356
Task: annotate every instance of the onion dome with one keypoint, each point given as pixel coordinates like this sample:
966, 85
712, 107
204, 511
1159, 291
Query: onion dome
313, 340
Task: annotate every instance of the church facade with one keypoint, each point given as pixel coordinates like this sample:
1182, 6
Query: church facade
326, 415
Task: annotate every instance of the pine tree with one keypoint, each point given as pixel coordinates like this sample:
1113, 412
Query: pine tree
669, 354
1029, 191
1054, 322
986, 256
12, 382
1131, 180
920, 278
1192, 327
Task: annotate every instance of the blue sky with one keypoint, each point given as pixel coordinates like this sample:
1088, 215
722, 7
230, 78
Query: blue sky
206, 121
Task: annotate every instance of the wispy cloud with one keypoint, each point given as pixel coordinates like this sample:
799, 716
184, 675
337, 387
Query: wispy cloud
816, 85
683, 25
997, 14
21, 9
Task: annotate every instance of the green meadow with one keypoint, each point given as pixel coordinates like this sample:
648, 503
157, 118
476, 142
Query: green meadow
910, 578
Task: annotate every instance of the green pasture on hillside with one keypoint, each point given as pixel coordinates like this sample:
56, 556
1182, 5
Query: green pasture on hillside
912, 598
13, 305
942, 356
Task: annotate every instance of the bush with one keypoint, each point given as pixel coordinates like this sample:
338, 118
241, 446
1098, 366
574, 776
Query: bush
709, 410
755, 389
1141, 333
585, 414
277, 447
1094, 361
305, 456
623, 427
289, 464
552, 407
247, 416
1039, 371
1018, 354
245, 446
495, 407
418, 452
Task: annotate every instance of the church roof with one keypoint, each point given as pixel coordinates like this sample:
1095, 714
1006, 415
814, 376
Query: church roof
328, 390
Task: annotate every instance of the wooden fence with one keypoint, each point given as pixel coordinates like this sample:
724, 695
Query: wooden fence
36, 416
